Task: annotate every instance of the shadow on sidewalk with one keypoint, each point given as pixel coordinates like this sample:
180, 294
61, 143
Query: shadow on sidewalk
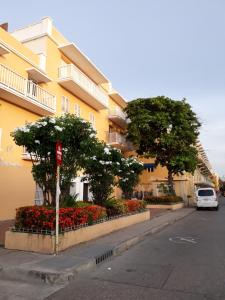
4, 226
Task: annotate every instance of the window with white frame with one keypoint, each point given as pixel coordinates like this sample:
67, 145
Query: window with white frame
92, 120
77, 110
65, 104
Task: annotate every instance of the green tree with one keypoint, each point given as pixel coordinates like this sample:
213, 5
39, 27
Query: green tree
39, 138
166, 130
129, 172
101, 169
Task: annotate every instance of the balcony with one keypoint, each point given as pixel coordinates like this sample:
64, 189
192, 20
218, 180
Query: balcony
117, 140
24, 93
75, 81
118, 116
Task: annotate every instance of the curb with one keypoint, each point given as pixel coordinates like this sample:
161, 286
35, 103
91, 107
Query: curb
49, 276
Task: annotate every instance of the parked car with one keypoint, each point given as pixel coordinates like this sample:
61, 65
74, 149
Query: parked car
207, 197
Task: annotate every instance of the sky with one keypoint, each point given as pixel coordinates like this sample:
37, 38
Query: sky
148, 48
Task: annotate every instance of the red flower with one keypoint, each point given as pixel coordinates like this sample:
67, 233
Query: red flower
43, 218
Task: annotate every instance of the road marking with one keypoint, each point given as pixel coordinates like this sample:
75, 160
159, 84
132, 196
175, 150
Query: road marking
183, 240
188, 240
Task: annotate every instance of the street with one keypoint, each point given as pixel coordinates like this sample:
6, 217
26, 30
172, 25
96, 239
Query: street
184, 261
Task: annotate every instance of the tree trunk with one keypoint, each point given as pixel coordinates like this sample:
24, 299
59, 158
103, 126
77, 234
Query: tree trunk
170, 182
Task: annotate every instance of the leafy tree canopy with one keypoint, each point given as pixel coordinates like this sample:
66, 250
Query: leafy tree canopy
129, 172
39, 138
101, 169
166, 130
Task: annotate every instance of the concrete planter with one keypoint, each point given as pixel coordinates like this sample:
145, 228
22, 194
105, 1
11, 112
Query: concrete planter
166, 206
46, 243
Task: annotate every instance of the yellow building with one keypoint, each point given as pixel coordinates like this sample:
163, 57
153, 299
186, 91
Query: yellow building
42, 73
185, 185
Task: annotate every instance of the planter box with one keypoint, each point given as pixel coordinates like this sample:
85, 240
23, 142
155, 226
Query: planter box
46, 243
166, 206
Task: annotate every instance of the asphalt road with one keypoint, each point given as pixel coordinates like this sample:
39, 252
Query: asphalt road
184, 261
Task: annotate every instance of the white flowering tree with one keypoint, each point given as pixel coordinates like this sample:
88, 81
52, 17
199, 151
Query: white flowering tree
101, 170
78, 139
129, 172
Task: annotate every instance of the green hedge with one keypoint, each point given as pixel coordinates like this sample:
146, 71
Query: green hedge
163, 200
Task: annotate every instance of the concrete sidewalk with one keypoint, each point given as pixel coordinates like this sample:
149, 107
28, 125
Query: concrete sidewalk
64, 267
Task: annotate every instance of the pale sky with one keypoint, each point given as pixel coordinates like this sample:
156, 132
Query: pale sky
147, 48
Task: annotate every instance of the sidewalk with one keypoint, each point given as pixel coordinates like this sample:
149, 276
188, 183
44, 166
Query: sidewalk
64, 267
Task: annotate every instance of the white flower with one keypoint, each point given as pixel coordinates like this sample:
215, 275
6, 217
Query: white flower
106, 150
26, 129
49, 153
37, 142
58, 128
43, 123
92, 135
52, 120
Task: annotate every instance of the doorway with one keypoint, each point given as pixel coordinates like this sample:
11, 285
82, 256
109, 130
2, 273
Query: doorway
85, 192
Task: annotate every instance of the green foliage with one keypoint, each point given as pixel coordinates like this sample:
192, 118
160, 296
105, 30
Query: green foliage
101, 169
115, 207
69, 201
39, 138
79, 204
169, 199
164, 188
129, 172
166, 130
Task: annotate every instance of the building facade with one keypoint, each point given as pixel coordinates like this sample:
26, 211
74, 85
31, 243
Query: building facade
42, 73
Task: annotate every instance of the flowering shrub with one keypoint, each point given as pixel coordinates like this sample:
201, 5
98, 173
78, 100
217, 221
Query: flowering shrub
130, 169
78, 139
115, 207
135, 205
43, 218
119, 206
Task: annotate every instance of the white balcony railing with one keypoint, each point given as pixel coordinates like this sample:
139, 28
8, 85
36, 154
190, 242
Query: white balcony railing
16, 83
117, 112
116, 138
72, 72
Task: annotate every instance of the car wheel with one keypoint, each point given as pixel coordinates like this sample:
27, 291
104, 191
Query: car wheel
197, 208
217, 207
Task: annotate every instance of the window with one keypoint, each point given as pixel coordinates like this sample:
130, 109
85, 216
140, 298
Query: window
92, 120
149, 167
77, 110
39, 198
206, 193
65, 104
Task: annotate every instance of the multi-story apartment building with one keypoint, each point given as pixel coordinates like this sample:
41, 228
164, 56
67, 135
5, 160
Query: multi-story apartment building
42, 73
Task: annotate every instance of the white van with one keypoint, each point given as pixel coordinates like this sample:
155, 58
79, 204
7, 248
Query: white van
207, 197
